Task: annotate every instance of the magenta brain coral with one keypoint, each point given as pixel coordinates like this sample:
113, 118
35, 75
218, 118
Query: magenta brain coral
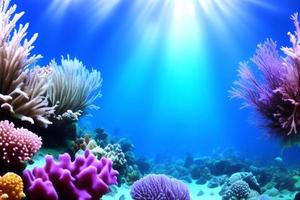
17, 144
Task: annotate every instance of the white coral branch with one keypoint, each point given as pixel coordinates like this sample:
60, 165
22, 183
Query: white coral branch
21, 90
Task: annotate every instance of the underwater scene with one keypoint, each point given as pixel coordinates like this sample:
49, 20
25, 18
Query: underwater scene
149, 100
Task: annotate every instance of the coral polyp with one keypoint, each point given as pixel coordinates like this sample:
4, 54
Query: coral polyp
17, 144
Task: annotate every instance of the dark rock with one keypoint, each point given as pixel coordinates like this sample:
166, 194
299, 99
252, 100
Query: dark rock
263, 176
189, 160
227, 167
101, 137
285, 182
126, 145
252, 182
199, 162
297, 196
122, 197
201, 181
186, 179
196, 172
143, 165
200, 193
213, 182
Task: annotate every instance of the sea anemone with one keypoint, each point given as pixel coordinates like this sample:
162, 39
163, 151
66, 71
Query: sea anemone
73, 88
275, 92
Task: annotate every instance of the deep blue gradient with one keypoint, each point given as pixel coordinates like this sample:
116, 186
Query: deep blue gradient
165, 91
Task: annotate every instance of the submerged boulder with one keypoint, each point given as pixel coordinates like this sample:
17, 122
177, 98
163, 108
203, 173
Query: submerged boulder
241, 185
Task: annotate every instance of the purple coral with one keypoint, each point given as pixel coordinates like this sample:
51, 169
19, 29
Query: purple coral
275, 93
86, 178
159, 187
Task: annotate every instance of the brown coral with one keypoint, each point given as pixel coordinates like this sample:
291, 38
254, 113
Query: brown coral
11, 187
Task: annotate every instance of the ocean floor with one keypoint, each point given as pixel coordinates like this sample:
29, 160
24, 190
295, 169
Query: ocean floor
123, 193
197, 191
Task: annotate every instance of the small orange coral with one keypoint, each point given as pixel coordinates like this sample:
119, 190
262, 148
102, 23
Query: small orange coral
11, 187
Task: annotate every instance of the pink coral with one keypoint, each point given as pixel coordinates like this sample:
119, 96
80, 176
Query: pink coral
275, 92
17, 144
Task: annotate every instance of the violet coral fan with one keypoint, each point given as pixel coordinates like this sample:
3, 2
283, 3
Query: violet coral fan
86, 178
159, 187
17, 144
11, 187
73, 88
21, 90
275, 93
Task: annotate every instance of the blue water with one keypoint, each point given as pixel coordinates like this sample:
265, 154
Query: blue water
166, 76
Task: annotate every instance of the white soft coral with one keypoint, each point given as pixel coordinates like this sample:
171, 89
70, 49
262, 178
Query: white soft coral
21, 91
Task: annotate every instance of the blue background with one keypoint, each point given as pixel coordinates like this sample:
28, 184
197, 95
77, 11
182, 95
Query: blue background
166, 81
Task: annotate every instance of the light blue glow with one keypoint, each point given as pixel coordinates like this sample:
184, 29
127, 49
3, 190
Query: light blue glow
167, 64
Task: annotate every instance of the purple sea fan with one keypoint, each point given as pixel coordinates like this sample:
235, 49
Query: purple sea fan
159, 187
86, 178
275, 93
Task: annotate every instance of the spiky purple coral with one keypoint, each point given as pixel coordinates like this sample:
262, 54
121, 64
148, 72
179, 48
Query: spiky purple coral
275, 93
159, 187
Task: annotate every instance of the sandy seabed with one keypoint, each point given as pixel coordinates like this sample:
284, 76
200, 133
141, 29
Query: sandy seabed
123, 193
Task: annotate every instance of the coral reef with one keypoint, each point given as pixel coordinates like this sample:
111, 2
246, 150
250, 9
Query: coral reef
267, 179
17, 144
84, 178
120, 151
238, 190
73, 88
11, 187
275, 92
115, 153
101, 137
239, 186
159, 187
22, 90
80, 144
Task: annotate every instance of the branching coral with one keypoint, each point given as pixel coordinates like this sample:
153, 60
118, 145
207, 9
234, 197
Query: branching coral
21, 90
275, 94
115, 153
73, 88
11, 187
